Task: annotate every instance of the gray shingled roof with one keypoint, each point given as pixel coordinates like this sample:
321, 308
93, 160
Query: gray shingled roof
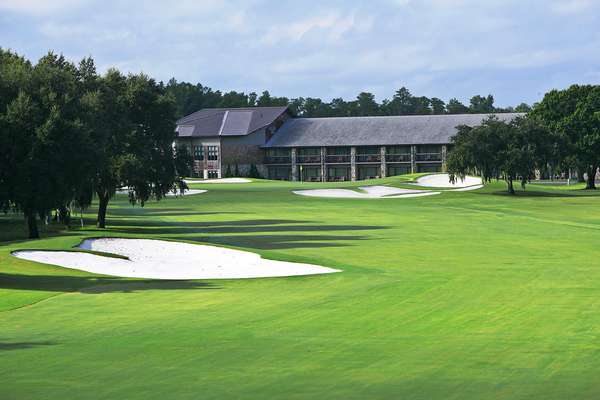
371, 131
227, 121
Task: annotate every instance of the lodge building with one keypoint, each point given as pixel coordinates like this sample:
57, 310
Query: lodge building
282, 146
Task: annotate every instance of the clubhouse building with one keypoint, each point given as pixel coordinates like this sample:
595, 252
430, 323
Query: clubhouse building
284, 147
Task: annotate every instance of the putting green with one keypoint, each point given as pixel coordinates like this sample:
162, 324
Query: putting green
466, 295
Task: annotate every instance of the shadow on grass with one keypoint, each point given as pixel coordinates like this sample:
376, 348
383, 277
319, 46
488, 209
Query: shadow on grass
276, 242
542, 193
4, 346
92, 285
294, 233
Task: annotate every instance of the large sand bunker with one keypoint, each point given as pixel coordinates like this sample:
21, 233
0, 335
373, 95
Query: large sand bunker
443, 181
368, 192
159, 259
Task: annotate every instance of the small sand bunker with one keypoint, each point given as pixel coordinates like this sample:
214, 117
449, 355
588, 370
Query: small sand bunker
443, 181
222, 180
160, 259
368, 192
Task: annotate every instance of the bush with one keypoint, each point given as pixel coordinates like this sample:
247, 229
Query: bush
254, 172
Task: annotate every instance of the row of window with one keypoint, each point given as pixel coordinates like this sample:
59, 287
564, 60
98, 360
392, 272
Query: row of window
345, 151
212, 152
342, 173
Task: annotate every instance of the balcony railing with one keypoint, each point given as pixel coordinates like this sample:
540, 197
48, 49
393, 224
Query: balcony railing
337, 158
429, 156
368, 158
278, 160
308, 159
397, 157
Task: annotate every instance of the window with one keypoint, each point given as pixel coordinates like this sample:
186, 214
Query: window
311, 174
212, 174
397, 150
429, 168
368, 172
393, 170
198, 152
213, 153
280, 173
338, 151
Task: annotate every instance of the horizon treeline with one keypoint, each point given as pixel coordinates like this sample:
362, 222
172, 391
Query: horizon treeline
193, 97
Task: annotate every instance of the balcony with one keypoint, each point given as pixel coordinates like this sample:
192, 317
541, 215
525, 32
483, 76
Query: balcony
312, 159
405, 157
429, 156
337, 158
368, 158
278, 160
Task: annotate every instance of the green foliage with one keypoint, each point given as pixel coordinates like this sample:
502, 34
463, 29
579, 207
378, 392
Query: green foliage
499, 150
253, 173
228, 173
572, 115
482, 105
456, 107
44, 145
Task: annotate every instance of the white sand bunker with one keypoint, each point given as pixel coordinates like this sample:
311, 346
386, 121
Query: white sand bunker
443, 181
159, 259
368, 192
222, 180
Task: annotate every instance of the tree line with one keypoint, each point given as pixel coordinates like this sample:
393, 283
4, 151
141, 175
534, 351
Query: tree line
560, 134
68, 134
193, 97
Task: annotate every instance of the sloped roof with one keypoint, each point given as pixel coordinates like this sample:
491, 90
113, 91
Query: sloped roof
371, 131
227, 121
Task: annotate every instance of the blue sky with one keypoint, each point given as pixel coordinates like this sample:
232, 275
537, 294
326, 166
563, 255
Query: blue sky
516, 50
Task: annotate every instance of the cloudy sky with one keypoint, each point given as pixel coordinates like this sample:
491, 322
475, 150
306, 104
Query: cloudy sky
515, 50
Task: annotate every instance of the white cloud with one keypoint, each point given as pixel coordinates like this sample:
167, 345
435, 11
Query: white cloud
330, 26
565, 7
39, 7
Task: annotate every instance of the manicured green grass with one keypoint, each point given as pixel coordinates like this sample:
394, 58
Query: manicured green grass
465, 295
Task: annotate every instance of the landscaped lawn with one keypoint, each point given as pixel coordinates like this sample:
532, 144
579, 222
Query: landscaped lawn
464, 295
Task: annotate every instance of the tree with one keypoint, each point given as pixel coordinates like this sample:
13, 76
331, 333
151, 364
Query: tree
499, 150
253, 173
437, 106
228, 173
46, 145
482, 105
401, 103
132, 121
456, 107
366, 105
523, 108
572, 116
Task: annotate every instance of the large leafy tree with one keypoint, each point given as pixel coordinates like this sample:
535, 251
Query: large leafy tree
500, 150
132, 121
46, 146
573, 115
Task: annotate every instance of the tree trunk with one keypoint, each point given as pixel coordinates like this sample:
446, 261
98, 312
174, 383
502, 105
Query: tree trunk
103, 199
511, 189
591, 178
580, 175
64, 215
32, 225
